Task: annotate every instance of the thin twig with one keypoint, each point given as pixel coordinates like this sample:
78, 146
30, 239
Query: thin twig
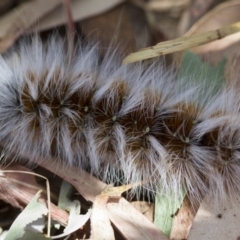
181, 43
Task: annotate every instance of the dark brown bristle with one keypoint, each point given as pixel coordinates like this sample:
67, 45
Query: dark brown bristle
177, 129
142, 120
107, 108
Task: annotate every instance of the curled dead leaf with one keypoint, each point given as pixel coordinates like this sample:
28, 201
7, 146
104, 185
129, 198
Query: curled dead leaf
226, 47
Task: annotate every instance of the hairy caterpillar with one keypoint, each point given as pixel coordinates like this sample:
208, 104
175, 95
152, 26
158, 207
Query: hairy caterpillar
115, 119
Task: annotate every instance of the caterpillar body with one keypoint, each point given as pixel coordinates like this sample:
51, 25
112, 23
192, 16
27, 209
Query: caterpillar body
115, 119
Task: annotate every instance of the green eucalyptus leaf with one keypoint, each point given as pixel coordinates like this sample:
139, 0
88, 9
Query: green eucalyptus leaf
207, 79
165, 209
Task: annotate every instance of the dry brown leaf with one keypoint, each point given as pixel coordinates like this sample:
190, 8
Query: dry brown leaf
196, 10
131, 223
101, 228
216, 222
18, 189
183, 220
213, 20
161, 5
145, 208
81, 9
14, 23
165, 5
87, 185
163, 16
99, 218
116, 192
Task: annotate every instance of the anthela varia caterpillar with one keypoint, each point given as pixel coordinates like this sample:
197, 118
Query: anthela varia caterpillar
119, 120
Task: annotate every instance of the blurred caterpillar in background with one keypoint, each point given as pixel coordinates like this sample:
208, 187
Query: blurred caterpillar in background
120, 120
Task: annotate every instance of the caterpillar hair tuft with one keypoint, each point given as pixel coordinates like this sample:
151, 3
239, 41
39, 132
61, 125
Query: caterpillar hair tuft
118, 120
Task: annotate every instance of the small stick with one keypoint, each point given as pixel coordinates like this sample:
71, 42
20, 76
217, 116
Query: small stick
181, 43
